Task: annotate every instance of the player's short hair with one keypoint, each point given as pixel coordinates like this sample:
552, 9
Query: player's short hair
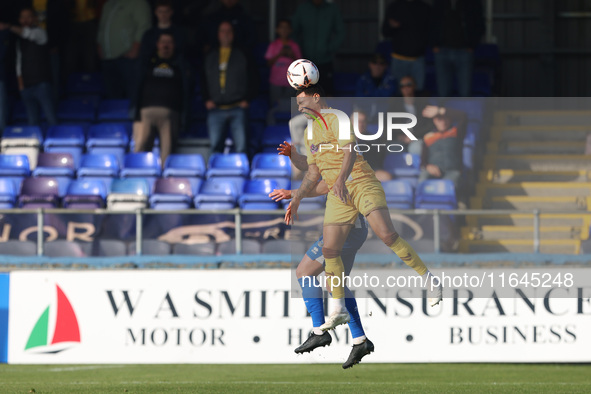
164, 3
283, 20
312, 90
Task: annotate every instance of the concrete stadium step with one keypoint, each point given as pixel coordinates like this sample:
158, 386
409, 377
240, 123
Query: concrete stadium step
558, 118
538, 162
566, 246
533, 189
514, 176
519, 219
492, 233
531, 203
536, 147
540, 133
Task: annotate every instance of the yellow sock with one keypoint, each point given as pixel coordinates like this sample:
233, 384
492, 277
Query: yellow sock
334, 268
408, 255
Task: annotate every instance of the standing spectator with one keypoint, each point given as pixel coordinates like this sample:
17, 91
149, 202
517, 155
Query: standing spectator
244, 28
32, 58
457, 26
280, 54
163, 9
412, 102
407, 24
121, 27
163, 97
318, 27
81, 53
229, 82
4, 43
442, 150
377, 82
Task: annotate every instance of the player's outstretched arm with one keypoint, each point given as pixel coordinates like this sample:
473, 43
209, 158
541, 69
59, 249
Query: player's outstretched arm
282, 194
299, 161
308, 185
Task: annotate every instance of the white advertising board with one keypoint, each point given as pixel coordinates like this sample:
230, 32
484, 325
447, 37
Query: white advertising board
248, 316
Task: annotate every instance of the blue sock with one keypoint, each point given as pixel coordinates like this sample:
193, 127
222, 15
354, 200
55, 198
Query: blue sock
312, 294
355, 323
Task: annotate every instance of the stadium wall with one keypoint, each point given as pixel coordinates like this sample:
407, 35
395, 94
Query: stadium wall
249, 316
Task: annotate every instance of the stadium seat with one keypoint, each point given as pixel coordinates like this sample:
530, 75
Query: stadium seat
184, 166
22, 140
145, 165
399, 194
171, 193
436, 194
257, 191
76, 110
205, 249
249, 246
228, 165
14, 166
85, 194
65, 138
101, 166
217, 190
104, 248
39, 193
113, 110
128, 194
7, 193
85, 83
403, 165
62, 248
13, 247
108, 138
57, 165
152, 247
283, 246
275, 135
270, 165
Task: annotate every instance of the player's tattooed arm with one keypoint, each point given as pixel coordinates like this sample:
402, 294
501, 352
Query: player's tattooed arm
309, 182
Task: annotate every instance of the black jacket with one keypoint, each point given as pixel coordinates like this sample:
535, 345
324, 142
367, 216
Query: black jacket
241, 78
412, 37
472, 21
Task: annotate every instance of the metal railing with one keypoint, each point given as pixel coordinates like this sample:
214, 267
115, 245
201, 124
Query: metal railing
238, 215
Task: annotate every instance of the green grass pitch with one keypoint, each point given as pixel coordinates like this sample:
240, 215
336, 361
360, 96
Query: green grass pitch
311, 378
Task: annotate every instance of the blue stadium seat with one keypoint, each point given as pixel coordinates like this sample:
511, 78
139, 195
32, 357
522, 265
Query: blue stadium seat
399, 194
7, 193
113, 110
257, 190
403, 165
171, 193
184, 166
39, 193
436, 194
217, 190
275, 135
228, 165
100, 166
33, 132
14, 165
144, 165
258, 206
65, 138
85, 83
270, 165
110, 138
135, 186
85, 194
76, 110
57, 165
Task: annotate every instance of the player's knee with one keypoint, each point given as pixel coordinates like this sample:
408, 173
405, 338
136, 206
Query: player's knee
330, 253
389, 238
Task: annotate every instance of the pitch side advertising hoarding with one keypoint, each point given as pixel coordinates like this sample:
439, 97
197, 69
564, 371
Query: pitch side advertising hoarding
241, 316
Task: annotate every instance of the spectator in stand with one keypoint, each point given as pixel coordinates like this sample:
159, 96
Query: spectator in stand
319, 29
121, 27
242, 24
374, 157
81, 53
377, 82
163, 97
412, 102
407, 24
4, 43
279, 55
34, 77
163, 9
442, 150
457, 27
229, 82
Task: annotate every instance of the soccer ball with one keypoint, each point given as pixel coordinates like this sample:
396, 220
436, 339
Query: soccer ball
302, 73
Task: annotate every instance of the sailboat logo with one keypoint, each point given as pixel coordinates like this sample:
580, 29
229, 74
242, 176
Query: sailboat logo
66, 329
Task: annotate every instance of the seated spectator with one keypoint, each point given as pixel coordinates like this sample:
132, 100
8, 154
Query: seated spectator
229, 82
377, 82
442, 148
33, 73
412, 102
374, 157
164, 11
280, 54
163, 97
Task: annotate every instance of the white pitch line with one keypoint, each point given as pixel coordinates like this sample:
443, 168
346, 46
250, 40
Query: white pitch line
66, 369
